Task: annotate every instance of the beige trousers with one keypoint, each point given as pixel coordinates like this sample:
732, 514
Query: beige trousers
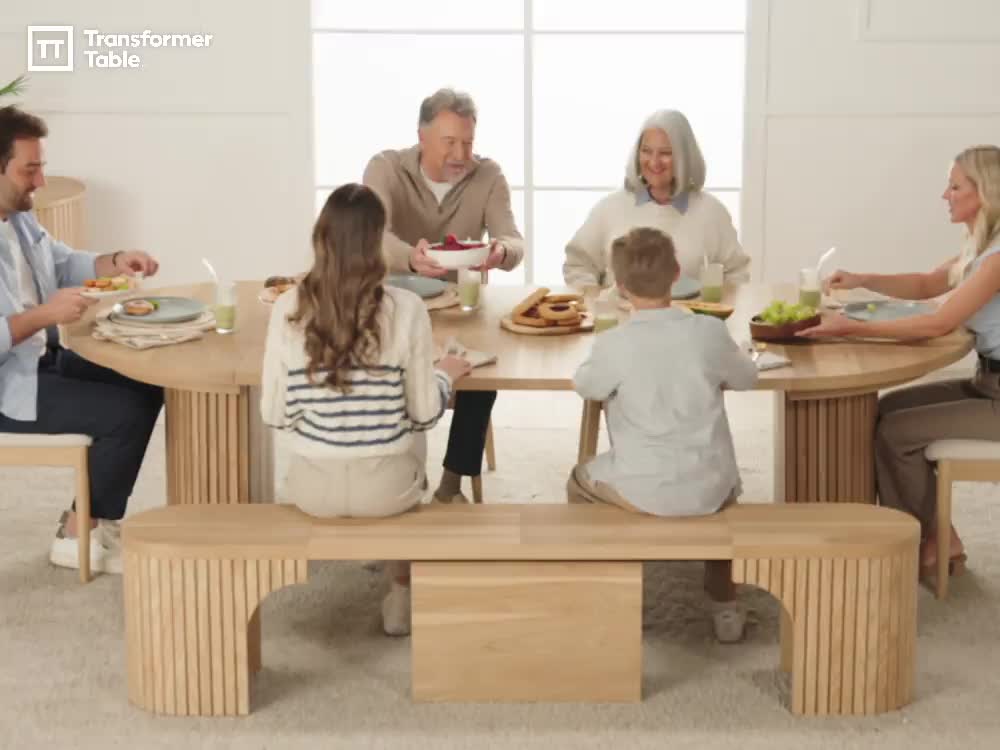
582, 489
910, 419
359, 488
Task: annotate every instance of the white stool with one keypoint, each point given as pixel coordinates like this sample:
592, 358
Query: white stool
957, 461
57, 450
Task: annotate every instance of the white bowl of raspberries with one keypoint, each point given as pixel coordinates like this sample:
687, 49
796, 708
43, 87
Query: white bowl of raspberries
454, 253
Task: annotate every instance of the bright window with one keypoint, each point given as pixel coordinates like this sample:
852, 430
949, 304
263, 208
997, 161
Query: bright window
562, 131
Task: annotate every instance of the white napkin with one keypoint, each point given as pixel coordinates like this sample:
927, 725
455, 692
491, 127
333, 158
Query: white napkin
766, 359
477, 359
139, 335
770, 361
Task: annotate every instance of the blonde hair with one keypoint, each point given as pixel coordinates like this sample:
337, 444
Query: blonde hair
644, 262
689, 164
981, 164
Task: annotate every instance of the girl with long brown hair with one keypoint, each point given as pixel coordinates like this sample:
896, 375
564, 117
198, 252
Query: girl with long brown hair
349, 371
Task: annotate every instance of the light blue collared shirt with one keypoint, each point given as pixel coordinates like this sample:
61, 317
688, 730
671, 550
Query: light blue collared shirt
53, 265
985, 324
679, 201
671, 448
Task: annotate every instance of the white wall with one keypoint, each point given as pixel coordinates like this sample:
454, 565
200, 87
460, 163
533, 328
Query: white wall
201, 152
855, 110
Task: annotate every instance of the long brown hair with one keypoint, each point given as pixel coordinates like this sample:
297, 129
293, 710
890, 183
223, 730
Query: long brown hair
339, 298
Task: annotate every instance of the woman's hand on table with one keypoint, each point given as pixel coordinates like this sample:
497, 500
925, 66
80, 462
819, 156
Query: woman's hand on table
842, 280
454, 367
832, 325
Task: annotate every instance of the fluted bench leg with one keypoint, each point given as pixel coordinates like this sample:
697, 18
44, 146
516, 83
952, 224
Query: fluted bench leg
527, 631
850, 636
193, 630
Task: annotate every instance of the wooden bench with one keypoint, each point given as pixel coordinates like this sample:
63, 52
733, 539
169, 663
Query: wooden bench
523, 603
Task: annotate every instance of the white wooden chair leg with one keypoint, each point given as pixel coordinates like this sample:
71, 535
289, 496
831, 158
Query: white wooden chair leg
83, 515
943, 527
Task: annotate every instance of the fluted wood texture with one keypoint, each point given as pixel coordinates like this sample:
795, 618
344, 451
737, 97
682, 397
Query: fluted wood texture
852, 629
824, 449
193, 630
845, 573
218, 452
59, 208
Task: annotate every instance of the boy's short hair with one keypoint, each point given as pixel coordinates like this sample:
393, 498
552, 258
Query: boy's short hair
644, 262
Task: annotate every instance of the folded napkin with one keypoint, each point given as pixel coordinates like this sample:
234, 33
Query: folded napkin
448, 298
764, 359
140, 335
770, 361
477, 359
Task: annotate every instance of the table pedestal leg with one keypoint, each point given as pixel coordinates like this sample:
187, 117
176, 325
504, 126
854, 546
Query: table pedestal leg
218, 449
824, 447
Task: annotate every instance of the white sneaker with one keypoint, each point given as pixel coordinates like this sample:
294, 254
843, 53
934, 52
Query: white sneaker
105, 548
396, 610
729, 620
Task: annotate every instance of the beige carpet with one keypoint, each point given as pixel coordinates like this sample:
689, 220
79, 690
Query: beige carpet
330, 679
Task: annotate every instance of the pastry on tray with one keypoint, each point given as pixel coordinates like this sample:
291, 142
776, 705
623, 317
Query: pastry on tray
541, 309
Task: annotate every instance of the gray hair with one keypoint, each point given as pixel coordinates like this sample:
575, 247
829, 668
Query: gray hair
689, 164
446, 100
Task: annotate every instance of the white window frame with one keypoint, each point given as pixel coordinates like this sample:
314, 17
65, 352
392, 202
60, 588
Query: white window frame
757, 18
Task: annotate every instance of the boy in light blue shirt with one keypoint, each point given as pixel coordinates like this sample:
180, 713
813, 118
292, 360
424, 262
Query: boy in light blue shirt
661, 377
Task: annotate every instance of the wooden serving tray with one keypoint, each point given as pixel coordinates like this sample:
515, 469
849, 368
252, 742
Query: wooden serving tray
585, 327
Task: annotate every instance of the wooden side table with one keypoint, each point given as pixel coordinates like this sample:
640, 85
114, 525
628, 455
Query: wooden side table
59, 208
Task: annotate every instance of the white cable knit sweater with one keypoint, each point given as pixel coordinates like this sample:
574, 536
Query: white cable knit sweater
387, 404
705, 228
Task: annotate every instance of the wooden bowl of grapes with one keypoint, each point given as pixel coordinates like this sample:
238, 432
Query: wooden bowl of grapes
781, 321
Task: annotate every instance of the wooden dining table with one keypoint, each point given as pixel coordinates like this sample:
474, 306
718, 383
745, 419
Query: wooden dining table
219, 451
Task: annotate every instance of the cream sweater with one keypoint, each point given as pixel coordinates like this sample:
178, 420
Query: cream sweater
704, 229
404, 394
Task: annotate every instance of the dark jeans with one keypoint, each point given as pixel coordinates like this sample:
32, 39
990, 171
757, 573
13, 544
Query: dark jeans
77, 396
467, 438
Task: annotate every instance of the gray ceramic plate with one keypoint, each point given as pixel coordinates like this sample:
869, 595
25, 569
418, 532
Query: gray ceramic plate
685, 288
883, 310
169, 310
420, 285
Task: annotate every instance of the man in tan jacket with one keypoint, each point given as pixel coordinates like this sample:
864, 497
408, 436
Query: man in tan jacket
435, 188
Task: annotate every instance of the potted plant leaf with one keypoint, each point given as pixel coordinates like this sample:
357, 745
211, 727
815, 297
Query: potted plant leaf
14, 88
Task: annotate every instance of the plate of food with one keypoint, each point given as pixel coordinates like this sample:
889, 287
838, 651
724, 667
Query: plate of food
158, 310
274, 287
780, 321
422, 286
542, 313
104, 287
453, 253
888, 309
715, 309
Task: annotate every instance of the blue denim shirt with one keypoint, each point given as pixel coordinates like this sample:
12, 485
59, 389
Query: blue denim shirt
679, 201
54, 265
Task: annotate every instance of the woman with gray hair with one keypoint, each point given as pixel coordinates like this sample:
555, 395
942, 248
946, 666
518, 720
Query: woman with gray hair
664, 177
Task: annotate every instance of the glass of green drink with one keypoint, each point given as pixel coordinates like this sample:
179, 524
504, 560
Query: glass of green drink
225, 307
809, 288
469, 283
711, 282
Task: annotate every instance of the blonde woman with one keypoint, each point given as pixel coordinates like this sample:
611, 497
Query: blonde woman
349, 371
912, 418
664, 181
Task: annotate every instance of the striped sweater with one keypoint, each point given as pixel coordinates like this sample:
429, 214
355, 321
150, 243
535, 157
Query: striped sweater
404, 394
